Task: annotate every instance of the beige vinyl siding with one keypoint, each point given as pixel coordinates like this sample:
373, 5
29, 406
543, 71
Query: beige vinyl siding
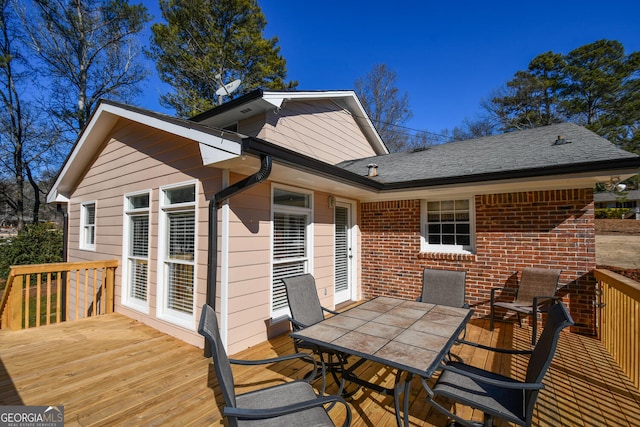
135, 158
319, 129
252, 125
323, 231
147, 161
249, 266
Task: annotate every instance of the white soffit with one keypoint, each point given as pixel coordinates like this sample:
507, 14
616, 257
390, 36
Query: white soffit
218, 150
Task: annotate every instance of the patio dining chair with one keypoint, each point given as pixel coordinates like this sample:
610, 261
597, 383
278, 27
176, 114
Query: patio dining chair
499, 396
536, 290
289, 403
444, 287
306, 310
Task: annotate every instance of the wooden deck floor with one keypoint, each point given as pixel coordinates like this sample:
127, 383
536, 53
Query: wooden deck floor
111, 371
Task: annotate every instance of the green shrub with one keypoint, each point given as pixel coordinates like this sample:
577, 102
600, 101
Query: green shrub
610, 213
36, 244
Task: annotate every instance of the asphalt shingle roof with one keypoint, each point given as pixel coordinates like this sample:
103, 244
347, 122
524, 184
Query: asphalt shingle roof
510, 152
612, 196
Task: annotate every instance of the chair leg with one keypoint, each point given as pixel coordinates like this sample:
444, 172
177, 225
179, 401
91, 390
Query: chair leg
534, 332
453, 419
492, 314
519, 319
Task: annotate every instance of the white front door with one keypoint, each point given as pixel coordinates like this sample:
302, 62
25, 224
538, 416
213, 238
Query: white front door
344, 252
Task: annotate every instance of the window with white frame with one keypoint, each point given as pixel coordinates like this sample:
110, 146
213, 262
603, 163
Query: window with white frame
136, 247
178, 238
447, 226
291, 242
88, 225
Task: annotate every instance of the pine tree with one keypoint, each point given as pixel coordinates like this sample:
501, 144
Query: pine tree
530, 99
596, 85
600, 89
206, 42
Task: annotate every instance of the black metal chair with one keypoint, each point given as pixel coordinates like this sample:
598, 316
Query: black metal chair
497, 395
536, 290
304, 304
290, 403
306, 310
444, 287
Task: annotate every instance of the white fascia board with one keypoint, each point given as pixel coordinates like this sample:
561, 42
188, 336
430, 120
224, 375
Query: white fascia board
278, 98
103, 120
517, 185
95, 130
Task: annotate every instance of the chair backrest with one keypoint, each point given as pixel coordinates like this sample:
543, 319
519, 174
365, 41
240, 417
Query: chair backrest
302, 296
536, 281
209, 329
445, 287
558, 318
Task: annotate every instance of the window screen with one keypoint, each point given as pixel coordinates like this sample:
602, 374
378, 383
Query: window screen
448, 223
292, 211
180, 257
88, 225
138, 247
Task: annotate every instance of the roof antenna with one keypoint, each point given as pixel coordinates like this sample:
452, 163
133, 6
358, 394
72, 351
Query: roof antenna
226, 89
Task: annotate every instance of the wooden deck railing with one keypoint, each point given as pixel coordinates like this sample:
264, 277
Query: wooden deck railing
41, 294
619, 320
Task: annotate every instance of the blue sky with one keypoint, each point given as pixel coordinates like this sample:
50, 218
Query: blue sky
447, 54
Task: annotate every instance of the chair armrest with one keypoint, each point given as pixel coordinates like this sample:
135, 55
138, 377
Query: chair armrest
494, 349
288, 409
502, 290
273, 359
551, 298
309, 357
516, 385
329, 311
296, 324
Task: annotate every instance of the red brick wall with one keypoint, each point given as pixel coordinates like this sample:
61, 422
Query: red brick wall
552, 229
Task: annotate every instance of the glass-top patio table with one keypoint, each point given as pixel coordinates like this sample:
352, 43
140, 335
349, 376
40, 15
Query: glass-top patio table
410, 336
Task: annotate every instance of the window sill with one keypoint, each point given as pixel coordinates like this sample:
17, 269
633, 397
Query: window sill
448, 256
136, 305
182, 320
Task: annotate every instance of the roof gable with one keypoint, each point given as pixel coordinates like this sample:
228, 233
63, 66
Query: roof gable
259, 102
215, 145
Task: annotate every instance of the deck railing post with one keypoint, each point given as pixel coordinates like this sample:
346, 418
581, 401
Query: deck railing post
67, 286
110, 288
16, 304
63, 296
